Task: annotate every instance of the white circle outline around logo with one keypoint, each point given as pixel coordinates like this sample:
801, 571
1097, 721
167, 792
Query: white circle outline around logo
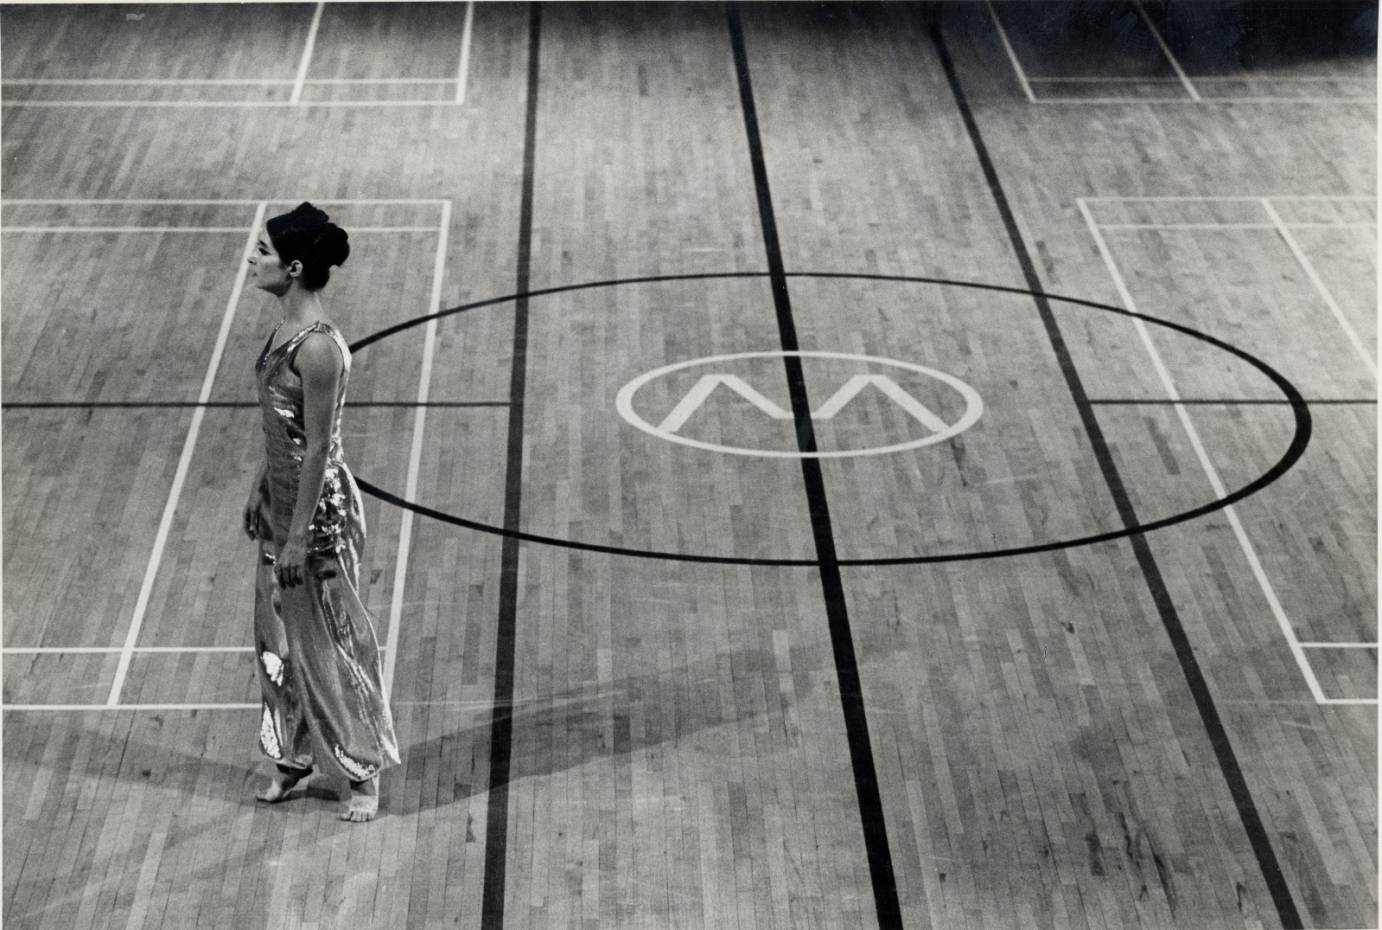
974, 406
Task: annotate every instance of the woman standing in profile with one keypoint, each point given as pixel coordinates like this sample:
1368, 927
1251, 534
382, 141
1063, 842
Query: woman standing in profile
317, 657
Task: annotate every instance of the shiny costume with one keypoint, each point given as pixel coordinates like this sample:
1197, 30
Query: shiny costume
317, 657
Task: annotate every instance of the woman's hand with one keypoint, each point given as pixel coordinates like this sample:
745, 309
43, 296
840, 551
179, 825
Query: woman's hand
256, 523
291, 565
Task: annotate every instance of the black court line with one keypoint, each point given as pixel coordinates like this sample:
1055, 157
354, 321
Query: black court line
1151, 572
223, 404
501, 727
846, 665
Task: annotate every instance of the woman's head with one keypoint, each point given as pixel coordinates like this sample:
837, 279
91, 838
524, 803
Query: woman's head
302, 245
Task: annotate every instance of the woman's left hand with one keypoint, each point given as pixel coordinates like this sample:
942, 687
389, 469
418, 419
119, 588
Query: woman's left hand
291, 564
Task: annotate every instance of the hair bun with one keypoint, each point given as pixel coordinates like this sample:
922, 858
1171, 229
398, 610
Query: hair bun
335, 245
306, 234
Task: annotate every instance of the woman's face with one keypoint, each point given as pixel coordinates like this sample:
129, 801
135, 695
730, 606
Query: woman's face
267, 269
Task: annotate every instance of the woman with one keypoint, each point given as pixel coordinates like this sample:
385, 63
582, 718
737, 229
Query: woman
317, 657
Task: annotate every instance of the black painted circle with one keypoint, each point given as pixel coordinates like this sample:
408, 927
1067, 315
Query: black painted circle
1299, 439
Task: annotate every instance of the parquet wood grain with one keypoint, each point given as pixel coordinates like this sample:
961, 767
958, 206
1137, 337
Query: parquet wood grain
679, 754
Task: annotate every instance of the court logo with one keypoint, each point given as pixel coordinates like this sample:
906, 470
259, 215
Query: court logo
934, 428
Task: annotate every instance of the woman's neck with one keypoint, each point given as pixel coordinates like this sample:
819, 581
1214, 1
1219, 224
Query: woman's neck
301, 306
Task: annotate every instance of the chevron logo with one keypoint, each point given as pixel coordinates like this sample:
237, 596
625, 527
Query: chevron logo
934, 427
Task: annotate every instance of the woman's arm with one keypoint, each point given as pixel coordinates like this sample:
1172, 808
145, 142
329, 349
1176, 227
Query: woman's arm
318, 363
254, 506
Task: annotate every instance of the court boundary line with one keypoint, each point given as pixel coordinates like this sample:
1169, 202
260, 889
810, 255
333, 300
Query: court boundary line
133, 707
1166, 51
1262, 226
191, 229
308, 48
405, 529
1246, 78
110, 650
463, 70
165, 523
1183, 79
1012, 54
1211, 473
210, 202
217, 82
225, 404
73, 104
1304, 262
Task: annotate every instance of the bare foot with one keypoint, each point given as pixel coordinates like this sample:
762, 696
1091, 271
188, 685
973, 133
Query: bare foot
364, 801
282, 783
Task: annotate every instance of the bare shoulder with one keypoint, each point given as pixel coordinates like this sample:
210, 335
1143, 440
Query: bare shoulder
318, 359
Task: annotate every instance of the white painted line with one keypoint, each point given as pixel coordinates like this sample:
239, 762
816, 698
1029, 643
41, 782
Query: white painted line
215, 82
1212, 198
1201, 78
1323, 291
115, 202
123, 229
97, 650
1263, 226
82, 707
193, 229
1352, 701
424, 386
464, 68
184, 463
226, 103
1187, 101
1166, 50
1012, 56
146, 82
1338, 645
1283, 78
307, 54
1367, 225
387, 82
1211, 473
1186, 226
89, 650
1101, 79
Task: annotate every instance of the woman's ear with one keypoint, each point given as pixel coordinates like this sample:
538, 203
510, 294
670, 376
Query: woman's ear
294, 268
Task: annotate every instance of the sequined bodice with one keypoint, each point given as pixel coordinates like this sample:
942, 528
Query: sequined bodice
281, 405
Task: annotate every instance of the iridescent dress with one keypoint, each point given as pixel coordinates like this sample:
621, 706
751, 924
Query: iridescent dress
317, 657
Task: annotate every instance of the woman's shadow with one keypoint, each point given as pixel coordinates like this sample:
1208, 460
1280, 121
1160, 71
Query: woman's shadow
692, 705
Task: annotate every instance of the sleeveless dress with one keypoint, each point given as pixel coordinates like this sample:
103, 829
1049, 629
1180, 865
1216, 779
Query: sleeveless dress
317, 656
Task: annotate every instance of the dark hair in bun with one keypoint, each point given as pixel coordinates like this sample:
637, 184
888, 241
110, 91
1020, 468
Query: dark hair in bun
306, 234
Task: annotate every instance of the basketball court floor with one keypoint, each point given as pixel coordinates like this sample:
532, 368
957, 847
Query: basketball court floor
830, 466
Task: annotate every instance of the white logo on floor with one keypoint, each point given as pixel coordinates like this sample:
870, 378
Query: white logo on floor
937, 429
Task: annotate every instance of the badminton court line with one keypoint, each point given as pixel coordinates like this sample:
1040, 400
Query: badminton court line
1328, 298
184, 461
1166, 50
217, 82
464, 66
191, 229
1012, 55
307, 49
405, 530
1282, 228
1182, 78
1211, 473
137, 650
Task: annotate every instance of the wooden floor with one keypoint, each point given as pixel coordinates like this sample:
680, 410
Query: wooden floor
702, 681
